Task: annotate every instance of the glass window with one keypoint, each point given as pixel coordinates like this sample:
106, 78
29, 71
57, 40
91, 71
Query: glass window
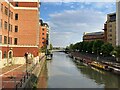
110, 30
5, 40
5, 54
16, 28
110, 35
16, 16
6, 11
43, 29
5, 25
10, 54
15, 41
16, 4
43, 38
1, 23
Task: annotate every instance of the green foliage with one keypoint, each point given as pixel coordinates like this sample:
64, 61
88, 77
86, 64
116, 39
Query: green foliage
97, 46
51, 47
43, 49
76, 46
85, 45
89, 47
117, 49
106, 49
116, 53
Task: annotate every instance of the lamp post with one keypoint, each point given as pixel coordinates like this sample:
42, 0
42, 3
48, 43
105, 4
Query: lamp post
26, 57
97, 55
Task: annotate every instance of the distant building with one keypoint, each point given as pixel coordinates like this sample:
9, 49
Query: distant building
93, 36
110, 29
19, 29
44, 34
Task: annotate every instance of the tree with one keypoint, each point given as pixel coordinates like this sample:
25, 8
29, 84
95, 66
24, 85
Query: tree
76, 46
80, 47
85, 44
43, 49
71, 47
90, 46
116, 52
97, 46
106, 49
51, 47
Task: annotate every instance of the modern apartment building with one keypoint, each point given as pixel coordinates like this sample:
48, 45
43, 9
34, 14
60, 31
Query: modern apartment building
93, 36
44, 34
19, 29
110, 29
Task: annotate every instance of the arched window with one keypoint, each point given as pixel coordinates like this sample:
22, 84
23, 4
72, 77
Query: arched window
10, 54
5, 54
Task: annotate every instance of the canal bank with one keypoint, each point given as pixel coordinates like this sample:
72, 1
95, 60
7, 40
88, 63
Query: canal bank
64, 73
100, 64
31, 78
34, 79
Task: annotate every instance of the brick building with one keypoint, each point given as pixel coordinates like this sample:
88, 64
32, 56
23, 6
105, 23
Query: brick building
93, 36
44, 34
19, 29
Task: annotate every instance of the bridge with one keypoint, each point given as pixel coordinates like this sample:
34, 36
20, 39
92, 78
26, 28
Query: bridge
56, 50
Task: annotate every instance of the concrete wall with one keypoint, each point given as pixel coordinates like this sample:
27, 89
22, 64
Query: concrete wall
111, 39
15, 60
118, 23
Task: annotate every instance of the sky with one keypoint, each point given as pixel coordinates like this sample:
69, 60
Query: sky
68, 20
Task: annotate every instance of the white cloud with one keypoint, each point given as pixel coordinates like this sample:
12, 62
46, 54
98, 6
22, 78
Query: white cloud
68, 26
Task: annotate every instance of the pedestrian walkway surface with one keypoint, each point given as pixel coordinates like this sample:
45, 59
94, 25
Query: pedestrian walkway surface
11, 75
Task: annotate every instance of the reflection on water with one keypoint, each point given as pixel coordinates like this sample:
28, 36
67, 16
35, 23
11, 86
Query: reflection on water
64, 73
42, 80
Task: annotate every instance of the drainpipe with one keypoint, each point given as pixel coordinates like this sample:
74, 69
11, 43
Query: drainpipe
8, 33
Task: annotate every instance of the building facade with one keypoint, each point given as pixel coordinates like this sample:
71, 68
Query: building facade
110, 29
118, 22
19, 29
93, 36
44, 34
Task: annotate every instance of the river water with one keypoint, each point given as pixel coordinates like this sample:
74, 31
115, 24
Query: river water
64, 73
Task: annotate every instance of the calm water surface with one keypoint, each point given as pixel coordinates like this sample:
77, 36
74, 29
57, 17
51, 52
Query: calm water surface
64, 73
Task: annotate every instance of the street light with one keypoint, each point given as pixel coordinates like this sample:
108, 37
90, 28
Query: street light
100, 53
26, 57
97, 55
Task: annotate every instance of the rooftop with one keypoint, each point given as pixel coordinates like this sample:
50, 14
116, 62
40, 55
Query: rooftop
94, 33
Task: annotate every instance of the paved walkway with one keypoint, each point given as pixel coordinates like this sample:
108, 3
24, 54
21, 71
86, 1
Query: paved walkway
10, 76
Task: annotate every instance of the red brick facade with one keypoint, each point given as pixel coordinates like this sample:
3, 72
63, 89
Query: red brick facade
94, 36
43, 36
22, 22
44, 33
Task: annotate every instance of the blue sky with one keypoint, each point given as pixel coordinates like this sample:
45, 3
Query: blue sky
69, 20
